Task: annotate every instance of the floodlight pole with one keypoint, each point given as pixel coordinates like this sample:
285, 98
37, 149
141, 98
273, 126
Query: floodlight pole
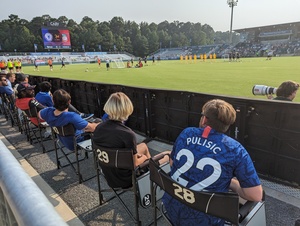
232, 4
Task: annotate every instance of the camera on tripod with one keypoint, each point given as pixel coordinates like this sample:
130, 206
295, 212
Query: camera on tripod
263, 90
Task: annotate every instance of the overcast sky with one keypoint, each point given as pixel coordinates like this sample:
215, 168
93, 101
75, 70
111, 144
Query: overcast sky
216, 13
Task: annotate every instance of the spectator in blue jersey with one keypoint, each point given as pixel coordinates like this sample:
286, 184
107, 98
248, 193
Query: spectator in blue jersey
59, 116
204, 158
45, 96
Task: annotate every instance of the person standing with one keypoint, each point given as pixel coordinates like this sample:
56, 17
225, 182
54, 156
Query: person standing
10, 66
3, 67
204, 158
107, 64
36, 66
63, 63
18, 65
50, 63
99, 62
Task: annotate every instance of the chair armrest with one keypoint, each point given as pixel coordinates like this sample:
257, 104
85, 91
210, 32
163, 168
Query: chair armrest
156, 158
245, 209
144, 167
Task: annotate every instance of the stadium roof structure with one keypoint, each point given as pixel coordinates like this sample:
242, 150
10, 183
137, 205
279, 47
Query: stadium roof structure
271, 33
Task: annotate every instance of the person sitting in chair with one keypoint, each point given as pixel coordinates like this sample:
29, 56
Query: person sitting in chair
27, 103
112, 133
45, 98
204, 158
59, 116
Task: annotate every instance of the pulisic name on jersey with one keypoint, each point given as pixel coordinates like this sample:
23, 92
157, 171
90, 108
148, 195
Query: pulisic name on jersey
204, 142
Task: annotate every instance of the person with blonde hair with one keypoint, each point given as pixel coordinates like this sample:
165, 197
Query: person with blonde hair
204, 158
113, 133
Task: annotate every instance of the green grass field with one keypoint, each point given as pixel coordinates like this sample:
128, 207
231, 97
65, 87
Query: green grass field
219, 77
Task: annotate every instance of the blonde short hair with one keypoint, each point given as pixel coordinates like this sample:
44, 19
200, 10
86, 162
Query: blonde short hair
118, 107
220, 114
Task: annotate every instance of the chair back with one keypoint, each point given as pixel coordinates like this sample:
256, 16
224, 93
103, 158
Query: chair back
121, 158
224, 205
67, 130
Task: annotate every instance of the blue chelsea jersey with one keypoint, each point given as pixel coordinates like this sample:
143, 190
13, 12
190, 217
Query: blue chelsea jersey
204, 159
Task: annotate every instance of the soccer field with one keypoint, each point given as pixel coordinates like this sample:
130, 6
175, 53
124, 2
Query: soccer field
214, 77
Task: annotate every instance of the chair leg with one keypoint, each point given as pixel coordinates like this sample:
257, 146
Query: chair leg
99, 188
78, 166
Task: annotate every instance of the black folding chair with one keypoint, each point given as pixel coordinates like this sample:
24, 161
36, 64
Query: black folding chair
122, 158
36, 133
10, 110
83, 147
3, 107
224, 205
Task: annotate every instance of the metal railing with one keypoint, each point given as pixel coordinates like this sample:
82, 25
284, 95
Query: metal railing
21, 201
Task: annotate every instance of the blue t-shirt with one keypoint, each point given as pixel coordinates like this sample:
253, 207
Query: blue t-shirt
44, 98
6, 89
64, 119
205, 159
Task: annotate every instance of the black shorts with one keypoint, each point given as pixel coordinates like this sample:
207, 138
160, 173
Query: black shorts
107, 65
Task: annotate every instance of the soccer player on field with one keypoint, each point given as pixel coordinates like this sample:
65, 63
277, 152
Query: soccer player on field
50, 64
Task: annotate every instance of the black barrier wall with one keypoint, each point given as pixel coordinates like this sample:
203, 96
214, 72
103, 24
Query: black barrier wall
269, 130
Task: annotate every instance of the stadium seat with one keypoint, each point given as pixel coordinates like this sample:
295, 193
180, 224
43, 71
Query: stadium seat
36, 133
123, 159
225, 205
80, 148
10, 110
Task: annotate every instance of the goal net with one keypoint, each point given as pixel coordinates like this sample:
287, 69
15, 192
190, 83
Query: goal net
117, 63
225, 57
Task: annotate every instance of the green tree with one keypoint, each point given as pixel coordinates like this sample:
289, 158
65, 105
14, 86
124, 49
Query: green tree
140, 46
117, 26
90, 36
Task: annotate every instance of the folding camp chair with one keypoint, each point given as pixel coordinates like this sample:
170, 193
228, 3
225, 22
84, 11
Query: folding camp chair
36, 133
83, 147
122, 158
3, 107
10, 110
224, 205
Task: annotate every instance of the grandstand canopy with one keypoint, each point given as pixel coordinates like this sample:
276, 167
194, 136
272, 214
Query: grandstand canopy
271, 33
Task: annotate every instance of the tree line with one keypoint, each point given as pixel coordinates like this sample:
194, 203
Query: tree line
142, 39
